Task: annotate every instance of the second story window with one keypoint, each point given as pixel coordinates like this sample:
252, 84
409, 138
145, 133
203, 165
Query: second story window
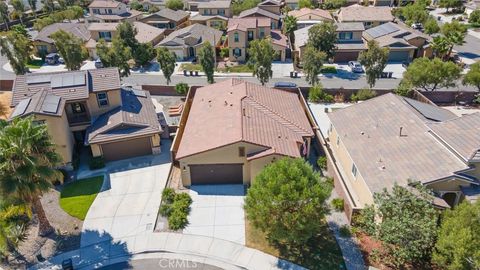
109, 11
96, 11
261, 32
105, 35
102, 99
77, 107
250, 35
241, 151
345, 35
235, 37
221, 12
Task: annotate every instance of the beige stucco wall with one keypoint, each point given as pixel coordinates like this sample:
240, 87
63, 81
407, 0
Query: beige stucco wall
222, 155
96, 36
272, 9
122, 8
448, 185
61, 135
114, 100
214, 11
243, 41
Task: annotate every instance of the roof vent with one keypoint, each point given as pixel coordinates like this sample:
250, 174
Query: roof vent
362, 132
226, 103
382, 167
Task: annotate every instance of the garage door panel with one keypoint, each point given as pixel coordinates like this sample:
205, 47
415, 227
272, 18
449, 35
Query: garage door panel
345, 56
216, 174
398, 56
126, 149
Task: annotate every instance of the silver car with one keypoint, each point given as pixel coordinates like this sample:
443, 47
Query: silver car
355, 67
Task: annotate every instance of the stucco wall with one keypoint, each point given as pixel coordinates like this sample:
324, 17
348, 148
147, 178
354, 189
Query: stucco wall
59, 131
214, 11
257, 165
114, 100
272, 9
448, 185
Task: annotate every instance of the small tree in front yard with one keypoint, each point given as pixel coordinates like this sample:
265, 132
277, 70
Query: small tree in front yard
287, 202
375, 60
181, 88
261, 58
312, 60
207, 60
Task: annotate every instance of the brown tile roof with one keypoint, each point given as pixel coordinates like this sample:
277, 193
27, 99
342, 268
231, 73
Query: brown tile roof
147, 33
99, 26
40, 103
325, 14
173, 15
370, 131
197, 31
77, 29
203, 18
129, 14
358, 13
258, 12
215, 4
104, 4
279, 38
136, 117
244, 24
234, 110
390, 33
70, 85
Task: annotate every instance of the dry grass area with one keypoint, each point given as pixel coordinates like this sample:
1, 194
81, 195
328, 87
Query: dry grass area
256, 239
5, 98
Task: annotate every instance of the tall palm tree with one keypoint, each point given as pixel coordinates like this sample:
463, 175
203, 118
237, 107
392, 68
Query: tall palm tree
27, 161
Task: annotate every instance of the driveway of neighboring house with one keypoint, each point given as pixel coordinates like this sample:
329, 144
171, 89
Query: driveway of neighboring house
217, 211
128, 204
282, 69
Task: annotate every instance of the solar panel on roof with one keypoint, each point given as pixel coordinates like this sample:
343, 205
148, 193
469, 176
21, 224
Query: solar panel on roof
21, 107
139, 93
382, 30
38, 79
67, 80
430, 111
50, 104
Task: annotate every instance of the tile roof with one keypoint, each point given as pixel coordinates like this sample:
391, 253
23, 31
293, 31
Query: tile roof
270, 3
279, 38
316, 13
202, 18
99, 26
146, 33
301, 35
129, 14
104, 4
173, 15
370, 131
244, 24
350, 26
234, 110
199, 32
136, 117
77, 29
215, 4
358, 13
69, 85
40, 103
258, 12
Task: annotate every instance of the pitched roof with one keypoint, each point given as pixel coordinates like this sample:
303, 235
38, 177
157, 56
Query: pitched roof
40, 103
270, 3
215, 4
358, 13
173, 15
391, 33
279, 38
69, 85
99, 26
136, 117
325, 14
234, 110
201, 18
301, 35
258, 12
146, 33
129, 14
199, 32
370, 131
77, 29
104, 4
350, 26
247, 23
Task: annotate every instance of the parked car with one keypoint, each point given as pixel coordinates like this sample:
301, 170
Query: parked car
355, 67
61, 61
52, 58
288, 85
98, 63
417, 26
405, 64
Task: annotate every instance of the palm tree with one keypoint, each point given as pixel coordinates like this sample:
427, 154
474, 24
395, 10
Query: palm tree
27, 161
4, 13
19, 9
440, 46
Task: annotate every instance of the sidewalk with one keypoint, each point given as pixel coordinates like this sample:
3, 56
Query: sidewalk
208, 250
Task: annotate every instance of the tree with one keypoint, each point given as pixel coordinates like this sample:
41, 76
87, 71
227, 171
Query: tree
323, 37
181, 88
27, 159
207, 60
261, 58
17, 48
19, 9
289, 25
136, 5
167, 60
312, 61
117, 55
440, 46
70, 48
408, 225
305, 4
334, 4
174, 4
474, 17
143, 54
317, 94
414, 13
4, 13
48, 5
375, 60
431, 26
239, 6
450, 4
473, 76
127, 33
459, 238
431, 74
33, 7
455, 33
287, 202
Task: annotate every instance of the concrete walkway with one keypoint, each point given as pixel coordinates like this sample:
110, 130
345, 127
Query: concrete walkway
203, 249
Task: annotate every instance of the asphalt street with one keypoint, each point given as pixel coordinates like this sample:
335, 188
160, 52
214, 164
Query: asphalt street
471, 48
163, 264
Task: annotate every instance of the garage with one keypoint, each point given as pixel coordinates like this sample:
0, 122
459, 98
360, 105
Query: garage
126, 149
345, 56
398, 56
202, 174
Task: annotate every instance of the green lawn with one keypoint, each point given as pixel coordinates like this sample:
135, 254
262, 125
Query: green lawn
237, 68
190, 66
35, 63
77, 197
328, 69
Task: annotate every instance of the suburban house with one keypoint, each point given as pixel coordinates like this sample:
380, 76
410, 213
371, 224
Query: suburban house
369, 16
307, 16
148, 4
257, 12
403, 42
222, 8
185, 42
392, 139
213, 21
252, 126
89, 107
292, 4
111, 11
167, 19
349, 41
107, 31
44, 44
272, 6
241, 31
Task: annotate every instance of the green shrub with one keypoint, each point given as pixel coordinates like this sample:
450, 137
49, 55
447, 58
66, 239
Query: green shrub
175, 206
182, 203
330, 181
333, 4
165, 209
96, 163
474, 17
317, 94
344, 231
328, 69
365, 220
363, 94
328, 98
476, 99
177, 220
181, 88
338, 204
168, 195
322, 162
224, 52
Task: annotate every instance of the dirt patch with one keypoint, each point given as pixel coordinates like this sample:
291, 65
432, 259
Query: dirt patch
369, 248
5, 98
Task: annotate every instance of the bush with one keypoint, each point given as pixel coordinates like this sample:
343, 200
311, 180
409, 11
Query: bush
96, 163
224, 52
365, 220
168, 195
334, 4
338, 204
330, 181
316, 94
175, 206
177, 220
322, 162
181, 88
165, 210
476, 99
344, 231
328, 69
363, 94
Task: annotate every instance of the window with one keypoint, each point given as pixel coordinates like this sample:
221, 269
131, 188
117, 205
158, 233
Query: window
42, 48
272, 25
96, 11
261, 32
77, 107
105, 35
338, 140
102, 99
109, 11
367, 24
235, 37
221, 12
171, 25
241, 151
345, 35
354, 170
237, 52
250, 35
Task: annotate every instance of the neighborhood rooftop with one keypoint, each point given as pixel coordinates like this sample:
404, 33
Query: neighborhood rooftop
77, 29
198, 32
358, 13
174, 15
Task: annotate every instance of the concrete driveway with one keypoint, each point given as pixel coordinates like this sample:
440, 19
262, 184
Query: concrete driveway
282, 69
128, 204
217, 211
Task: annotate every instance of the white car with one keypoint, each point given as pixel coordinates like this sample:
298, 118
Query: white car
355, 67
